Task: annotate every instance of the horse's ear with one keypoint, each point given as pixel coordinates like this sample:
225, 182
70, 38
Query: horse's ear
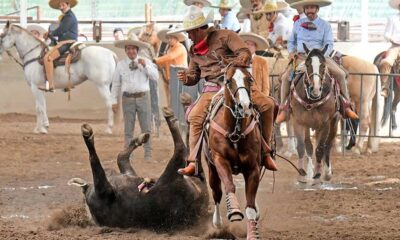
325, 49
306, 48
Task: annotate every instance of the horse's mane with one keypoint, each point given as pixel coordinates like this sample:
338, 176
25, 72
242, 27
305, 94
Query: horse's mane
29, 33
316, 52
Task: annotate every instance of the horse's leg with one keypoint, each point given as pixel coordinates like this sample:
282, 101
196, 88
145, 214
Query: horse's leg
104, 91
252, 180
363, 125
328, 146
351, 129
321, 136
215, 185
225, 173
309, 151
291, 150
396, 100
278, 137
42, 121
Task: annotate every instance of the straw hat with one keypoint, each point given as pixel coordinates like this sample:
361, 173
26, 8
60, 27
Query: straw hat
273, 6
191, 2
260, 42
394, 4
243, 12
302, 3
162, 35
193, 19
225, 4
133, 40
55, 3
134, 31
247, 3
36, 27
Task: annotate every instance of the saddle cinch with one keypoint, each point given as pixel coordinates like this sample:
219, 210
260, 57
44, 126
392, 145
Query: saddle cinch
71, 56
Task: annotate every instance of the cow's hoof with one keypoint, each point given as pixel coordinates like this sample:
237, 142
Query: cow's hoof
87, 130
185, 99
143, 138
168, 112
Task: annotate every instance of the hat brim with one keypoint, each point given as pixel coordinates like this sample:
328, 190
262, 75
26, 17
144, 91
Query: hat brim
162, 35
260, 42
124, 43
41, 30
134, 30
56, 3
242, 14
320, 3
209, 19
247, 3
225, 6
191, 2
280, 6
394, 4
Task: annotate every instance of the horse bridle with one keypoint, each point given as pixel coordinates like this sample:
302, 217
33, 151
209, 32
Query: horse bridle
307, 77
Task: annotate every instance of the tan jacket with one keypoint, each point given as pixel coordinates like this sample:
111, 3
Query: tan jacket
176, 55
259, 26
260, 73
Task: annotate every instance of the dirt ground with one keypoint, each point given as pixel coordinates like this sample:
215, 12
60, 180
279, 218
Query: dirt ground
361, 201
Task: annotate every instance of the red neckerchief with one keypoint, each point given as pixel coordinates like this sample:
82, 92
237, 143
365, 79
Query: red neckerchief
201, 48
296, 17
309, 26
271, 27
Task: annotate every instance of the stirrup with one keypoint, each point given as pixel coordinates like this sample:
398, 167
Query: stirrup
190, 170
46, 88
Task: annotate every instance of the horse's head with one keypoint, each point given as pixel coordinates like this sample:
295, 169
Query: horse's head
237, 82
7, 38
315, 71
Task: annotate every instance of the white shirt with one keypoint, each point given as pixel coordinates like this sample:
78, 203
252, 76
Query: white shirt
132, 81
392, 30
282, 27
246, 26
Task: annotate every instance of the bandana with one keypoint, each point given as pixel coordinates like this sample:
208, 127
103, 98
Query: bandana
201, 48
296, 17
309, 26
271, 27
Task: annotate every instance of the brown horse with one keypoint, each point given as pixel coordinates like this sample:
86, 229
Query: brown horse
313, 104
390, 106
235, 147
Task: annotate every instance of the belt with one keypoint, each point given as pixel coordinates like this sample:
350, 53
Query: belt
134, 95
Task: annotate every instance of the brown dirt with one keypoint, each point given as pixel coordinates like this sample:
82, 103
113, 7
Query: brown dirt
37, 203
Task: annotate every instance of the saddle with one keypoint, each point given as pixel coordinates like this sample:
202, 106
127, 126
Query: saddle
71, 56
337, 57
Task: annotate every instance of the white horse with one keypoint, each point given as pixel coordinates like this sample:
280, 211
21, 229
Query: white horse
96, 64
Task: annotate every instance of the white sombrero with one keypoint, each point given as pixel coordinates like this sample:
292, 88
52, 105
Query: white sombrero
191, 2
260, 42
273, 6
394, 4
225, 4
162, 35
132, 41
134, 31
243, 12
247, 3
55, 3
193, 19
302, 3
36, 27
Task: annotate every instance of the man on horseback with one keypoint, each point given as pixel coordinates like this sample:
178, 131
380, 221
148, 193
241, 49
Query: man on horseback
210, 48
67, 34
305, 32
392, 34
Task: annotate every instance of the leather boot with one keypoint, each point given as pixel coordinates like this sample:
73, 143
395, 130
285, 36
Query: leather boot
194, 148
49, 69
189, 170
385, 68
282, 115
267, 119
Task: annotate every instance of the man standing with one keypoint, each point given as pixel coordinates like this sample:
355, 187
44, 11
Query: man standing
176, 55
315, 33
259, 23
67, 34
37, 30
392, 34
118, 34
229, 19
209, 46
131, 78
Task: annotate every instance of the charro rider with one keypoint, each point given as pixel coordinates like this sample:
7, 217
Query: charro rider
392, 34
67, 34
315, 33
210, 46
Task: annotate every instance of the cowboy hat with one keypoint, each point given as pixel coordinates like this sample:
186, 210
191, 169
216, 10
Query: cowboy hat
302, 3
163, 34
55, 3
132, 41
260, 42
243, 12
36, 27
225, 4
191, 2
193, 19
247, 3
394, 4
272, 6
134, 31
